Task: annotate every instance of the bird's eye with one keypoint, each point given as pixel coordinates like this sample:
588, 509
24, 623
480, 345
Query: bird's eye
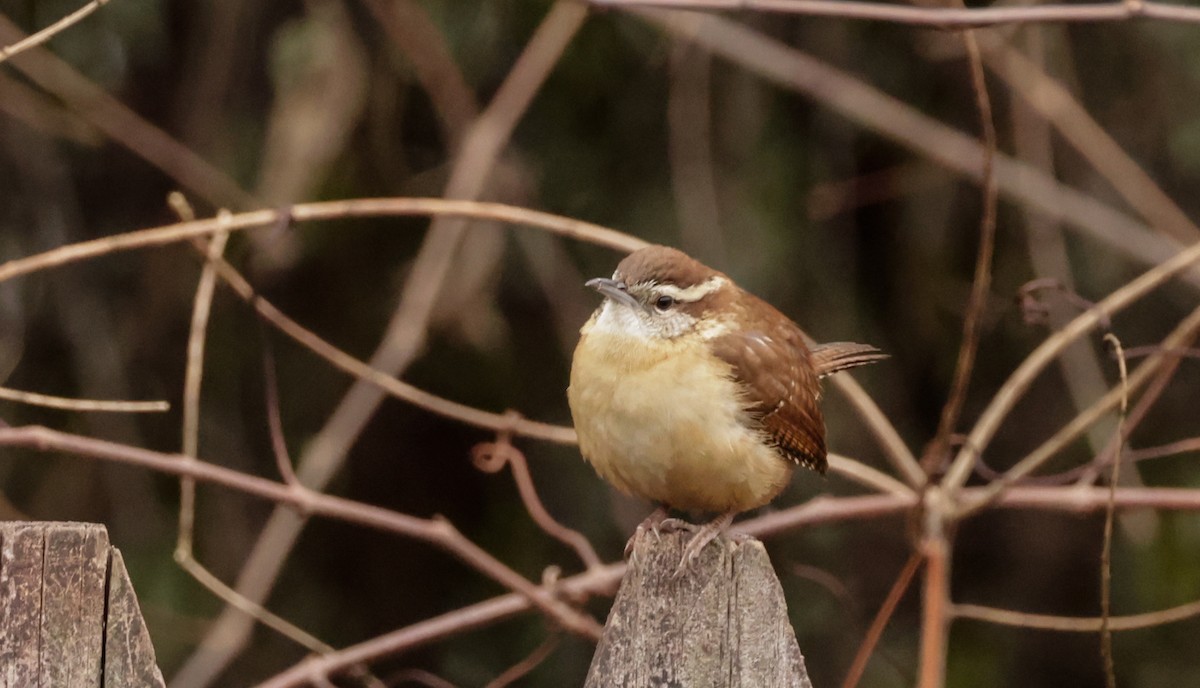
664, 303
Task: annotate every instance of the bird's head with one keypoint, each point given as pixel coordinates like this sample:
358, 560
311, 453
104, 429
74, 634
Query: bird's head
661, 293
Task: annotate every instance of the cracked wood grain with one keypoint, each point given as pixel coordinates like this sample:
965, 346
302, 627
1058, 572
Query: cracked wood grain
723, 623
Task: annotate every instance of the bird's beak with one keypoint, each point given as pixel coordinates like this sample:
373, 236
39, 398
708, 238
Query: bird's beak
614, 290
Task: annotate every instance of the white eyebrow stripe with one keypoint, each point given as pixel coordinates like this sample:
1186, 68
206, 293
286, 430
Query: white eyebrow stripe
694, 292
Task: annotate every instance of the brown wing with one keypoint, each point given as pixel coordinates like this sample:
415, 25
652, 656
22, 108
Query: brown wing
774, 366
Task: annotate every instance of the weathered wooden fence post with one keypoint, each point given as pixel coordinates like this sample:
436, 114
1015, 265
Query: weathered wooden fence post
68, 614
723, 624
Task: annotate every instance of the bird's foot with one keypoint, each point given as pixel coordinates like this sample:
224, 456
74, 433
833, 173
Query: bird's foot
704, 535
673, 525
656, 524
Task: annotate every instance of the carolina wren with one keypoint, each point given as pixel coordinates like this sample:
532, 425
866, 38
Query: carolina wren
690, 392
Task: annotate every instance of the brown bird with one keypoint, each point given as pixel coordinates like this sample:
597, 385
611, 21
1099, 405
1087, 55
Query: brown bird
690, 392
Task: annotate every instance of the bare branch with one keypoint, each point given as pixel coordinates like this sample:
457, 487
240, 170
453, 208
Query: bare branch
526, 665
1075, 624
935, 620
935, 455
1184, 331
894, 448
397, 388
283, 460
492, 457
863, 474
327, 210
71, 404
50, 31
1106, 648
936, 17
867, 648
1189, 445
193, 376
184, 554
480, 615
260, 613
1016, 385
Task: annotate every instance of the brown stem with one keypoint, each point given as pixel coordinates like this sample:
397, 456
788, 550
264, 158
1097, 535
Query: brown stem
938, 17
934, 608
867, 648
935, 455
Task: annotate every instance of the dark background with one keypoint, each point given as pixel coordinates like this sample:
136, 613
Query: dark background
855, 234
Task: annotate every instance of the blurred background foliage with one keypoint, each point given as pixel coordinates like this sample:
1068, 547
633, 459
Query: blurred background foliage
853, 234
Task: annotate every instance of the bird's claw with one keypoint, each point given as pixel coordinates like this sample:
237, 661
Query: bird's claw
657, 528
704, 535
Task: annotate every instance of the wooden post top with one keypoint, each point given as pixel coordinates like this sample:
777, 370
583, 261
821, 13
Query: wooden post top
722, 624
68, 613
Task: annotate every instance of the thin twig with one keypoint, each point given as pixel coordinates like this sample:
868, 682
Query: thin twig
936, 17
492, 457
327, 210
875, 632
1065, 435
1015, 386
401, 390
867, 476
1106, 649
479, 615
935, 455
1148, 349
424, 678
184, 554
50, 31
528, 664
1168, 359
881, 427
1189, 445
193, 377
261, 614
72, 404
1076, 624
283, 461
1085, 500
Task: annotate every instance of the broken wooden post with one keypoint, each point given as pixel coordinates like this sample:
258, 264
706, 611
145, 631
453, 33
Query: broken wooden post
68, 614
723, 623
